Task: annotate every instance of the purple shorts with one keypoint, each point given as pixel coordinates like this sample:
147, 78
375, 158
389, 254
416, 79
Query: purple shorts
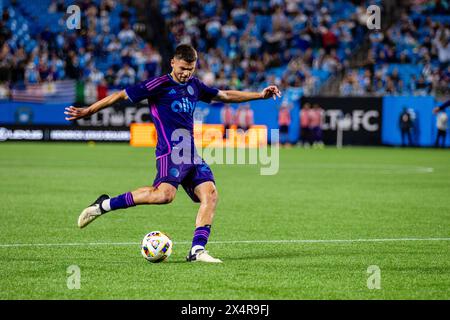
188, 175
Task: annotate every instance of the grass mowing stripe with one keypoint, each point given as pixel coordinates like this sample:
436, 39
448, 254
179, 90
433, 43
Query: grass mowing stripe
308, 232
12, 245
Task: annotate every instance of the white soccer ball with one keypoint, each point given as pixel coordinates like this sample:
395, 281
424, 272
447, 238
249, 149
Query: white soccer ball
156, 246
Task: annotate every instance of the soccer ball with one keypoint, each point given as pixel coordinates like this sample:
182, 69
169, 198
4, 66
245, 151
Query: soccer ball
156, 246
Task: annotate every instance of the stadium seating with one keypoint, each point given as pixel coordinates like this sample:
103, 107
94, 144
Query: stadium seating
417, 46
39, 27
254, 31
242, 44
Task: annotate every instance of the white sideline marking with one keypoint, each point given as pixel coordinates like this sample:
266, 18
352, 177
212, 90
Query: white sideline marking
373, 168
18, 245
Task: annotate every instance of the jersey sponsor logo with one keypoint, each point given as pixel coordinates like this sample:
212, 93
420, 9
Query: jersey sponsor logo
185, 105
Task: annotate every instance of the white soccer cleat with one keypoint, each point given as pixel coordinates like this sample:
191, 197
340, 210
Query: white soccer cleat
88, 215
92, 212
202, 256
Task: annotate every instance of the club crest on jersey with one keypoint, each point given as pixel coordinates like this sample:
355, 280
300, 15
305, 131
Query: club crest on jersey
190, 90
183, 106
174, 172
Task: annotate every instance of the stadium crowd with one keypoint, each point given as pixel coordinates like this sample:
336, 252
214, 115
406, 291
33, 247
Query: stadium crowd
242, 45
248, 44
107, 51
412, 57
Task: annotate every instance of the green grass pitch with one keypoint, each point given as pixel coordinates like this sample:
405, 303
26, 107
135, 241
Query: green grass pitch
329, 195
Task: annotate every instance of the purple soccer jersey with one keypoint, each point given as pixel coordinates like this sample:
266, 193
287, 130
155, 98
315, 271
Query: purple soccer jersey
172, 107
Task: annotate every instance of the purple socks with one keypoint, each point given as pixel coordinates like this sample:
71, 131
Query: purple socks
201, 236
122, 201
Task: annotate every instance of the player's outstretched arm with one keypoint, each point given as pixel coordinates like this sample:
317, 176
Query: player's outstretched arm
78, 113
442, 107
230, 96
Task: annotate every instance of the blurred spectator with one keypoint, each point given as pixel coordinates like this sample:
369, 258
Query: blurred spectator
244, 117
235, 83
110, 77
126, 76
56, 6
45, 72
95, 76
284, 121
442, 126
406, 126
126, 35
329, 39
315, 125
6, 60
227, 117
32, 74
305, 132
72, 66
442, 43
415, 126
422, 87
351, 85
4, 92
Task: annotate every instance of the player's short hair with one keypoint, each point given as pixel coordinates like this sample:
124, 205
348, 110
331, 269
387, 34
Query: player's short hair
185, 52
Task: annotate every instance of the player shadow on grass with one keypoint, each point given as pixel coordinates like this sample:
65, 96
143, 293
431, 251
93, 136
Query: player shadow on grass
343, 254
278, 256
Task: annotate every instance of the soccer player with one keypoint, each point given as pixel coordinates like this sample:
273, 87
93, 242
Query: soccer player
284, 120
305, 134
172, 99
315, 123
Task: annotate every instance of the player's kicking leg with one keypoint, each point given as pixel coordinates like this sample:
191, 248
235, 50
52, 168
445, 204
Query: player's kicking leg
162, 194
207, 194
